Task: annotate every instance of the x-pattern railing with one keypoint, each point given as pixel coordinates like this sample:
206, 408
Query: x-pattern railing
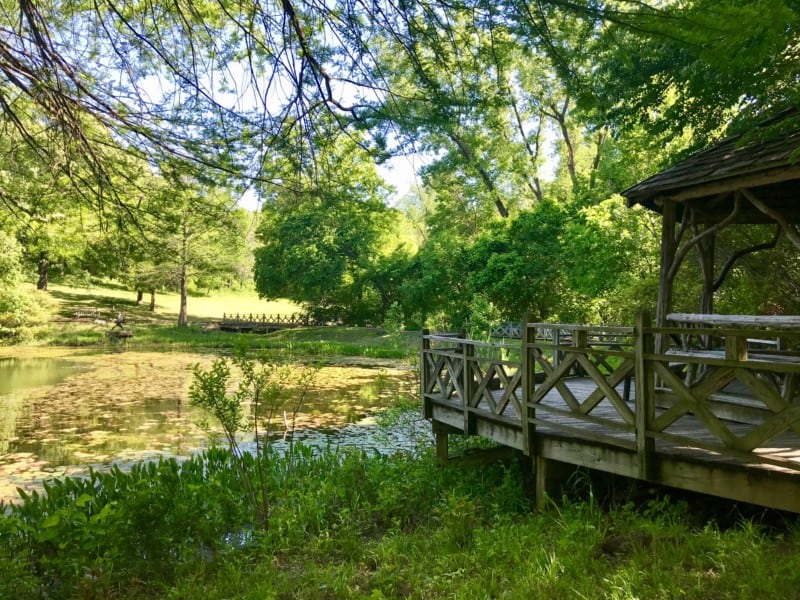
601, 358
744, 398
497, 384
445, 379
732, 392
472, 375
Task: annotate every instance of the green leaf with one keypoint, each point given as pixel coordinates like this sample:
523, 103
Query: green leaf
51, 521
83, 500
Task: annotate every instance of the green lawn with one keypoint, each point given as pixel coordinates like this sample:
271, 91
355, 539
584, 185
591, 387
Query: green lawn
159, 328
168, 303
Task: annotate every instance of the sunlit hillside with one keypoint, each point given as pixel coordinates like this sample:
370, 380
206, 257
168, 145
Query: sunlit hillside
212, 306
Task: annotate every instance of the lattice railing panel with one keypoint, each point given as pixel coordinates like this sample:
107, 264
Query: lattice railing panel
600, 361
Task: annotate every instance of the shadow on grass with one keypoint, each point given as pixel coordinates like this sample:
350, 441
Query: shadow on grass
107, 306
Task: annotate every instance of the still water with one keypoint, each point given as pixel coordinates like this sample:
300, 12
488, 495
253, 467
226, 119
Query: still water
62, 412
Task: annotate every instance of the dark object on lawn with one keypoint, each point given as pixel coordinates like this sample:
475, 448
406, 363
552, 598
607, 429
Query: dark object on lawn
119, 322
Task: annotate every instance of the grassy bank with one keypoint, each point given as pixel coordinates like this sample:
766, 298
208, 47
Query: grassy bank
158, 328
351, 525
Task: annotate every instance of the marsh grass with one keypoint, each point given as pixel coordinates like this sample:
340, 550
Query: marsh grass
358, 525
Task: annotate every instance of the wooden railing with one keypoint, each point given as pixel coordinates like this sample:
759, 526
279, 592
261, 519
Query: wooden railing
482, 379
601, 360
732, 391
507, 330
264, 320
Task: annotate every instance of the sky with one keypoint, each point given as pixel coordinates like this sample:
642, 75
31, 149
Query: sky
400, 172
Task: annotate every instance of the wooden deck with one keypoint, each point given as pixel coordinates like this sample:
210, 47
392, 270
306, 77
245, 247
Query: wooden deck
719, 421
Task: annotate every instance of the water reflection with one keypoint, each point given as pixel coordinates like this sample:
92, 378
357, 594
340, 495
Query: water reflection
65, 412
23, 373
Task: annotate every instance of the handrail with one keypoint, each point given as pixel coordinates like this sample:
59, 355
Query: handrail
682, 382
477, 343
771, 321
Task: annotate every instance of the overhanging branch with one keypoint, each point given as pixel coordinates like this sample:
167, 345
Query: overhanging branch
744, 252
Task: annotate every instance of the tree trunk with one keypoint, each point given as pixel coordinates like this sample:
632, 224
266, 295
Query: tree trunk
44, 271
182, 320
560, 117
601, 137
139, 296
152, 299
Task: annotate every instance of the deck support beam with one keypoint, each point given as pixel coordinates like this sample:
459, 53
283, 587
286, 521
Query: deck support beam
441, 436
442, 446
550, 477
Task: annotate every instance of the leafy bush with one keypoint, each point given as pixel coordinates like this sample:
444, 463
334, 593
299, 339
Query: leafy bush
108, 530
119, 534
394, 320
21, 306
262, 394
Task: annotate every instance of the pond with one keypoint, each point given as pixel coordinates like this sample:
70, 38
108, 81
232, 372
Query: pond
62, 411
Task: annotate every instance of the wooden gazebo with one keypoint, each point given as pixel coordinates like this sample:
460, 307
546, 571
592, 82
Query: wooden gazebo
734, 182
698, 401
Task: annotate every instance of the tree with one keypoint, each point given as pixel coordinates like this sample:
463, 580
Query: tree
321, 234
196, 234
693, 65
20, 306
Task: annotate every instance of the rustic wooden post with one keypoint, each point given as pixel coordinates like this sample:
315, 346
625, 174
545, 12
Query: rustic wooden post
528, 366
467, 352
440, 432
556, 342
645, 393
705, 248
425, 345
736, 347
540, 471
668, 248
580, 342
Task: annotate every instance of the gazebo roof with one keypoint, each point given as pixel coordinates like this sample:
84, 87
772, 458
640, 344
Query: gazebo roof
709, 180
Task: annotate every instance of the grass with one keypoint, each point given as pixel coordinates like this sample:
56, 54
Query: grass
355, 525
158, 329
199, 307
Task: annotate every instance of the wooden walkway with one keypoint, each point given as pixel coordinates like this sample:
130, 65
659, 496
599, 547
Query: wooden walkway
265, 323
724, 422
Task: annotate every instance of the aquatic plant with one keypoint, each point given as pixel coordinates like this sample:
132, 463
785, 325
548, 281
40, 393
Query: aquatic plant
266, 392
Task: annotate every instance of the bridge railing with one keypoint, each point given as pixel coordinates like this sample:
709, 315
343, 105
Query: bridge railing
284, 320
732, 391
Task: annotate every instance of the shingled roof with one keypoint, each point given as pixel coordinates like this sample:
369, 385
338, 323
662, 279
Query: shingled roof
709, 178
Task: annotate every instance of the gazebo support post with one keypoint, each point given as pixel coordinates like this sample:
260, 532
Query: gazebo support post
705, 250
668, 248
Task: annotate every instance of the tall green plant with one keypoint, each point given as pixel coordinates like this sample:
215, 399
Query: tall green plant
261, 396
